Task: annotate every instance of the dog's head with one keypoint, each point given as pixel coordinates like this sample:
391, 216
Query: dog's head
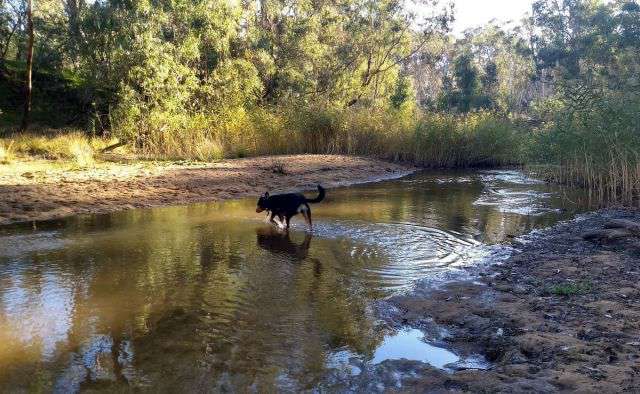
262, 202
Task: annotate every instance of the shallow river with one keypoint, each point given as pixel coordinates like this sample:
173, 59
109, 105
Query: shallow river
209, 297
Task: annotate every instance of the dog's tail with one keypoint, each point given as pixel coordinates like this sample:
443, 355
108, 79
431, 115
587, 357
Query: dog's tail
320, 195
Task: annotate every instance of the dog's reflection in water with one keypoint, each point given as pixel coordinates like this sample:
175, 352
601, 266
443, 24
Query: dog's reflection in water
273, 240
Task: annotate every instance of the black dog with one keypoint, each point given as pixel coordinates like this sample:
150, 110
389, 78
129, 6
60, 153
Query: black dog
288, 205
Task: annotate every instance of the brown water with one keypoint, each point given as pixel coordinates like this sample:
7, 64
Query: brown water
209, 297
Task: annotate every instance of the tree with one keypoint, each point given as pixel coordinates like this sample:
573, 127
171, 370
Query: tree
467, 81
402, 93
10, 22
589, 47
29, 61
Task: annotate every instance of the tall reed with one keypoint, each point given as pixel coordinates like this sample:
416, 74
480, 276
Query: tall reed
597, 149
430, 140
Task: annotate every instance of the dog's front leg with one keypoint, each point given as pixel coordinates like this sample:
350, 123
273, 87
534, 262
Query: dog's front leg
271, 217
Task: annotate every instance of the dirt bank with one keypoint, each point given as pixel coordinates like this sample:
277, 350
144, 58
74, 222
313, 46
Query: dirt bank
562, 314
40, 190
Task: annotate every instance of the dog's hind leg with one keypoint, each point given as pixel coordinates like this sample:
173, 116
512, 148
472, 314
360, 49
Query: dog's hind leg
306, 212
307, 218
288, 219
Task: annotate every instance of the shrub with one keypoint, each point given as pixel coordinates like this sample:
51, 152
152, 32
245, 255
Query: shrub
570, 289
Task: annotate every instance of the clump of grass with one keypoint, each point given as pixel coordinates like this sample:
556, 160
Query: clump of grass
480, 139
209, 150
278, 167
79, 150
6, 152
570, 289
68, 146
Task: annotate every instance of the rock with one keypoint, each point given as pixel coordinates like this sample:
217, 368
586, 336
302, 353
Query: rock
514, 356
519, 289
607, 235
626, 224
504, 288
588, 335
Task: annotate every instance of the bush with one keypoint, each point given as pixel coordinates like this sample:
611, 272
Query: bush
570, 289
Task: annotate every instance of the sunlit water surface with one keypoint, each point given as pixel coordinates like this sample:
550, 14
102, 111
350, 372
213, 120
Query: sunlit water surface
209, 297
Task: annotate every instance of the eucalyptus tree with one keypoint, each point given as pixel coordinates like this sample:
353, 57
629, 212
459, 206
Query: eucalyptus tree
29, 61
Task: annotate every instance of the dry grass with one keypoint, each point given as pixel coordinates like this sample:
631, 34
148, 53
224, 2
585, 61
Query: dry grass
6, 152
431, 140
68, 146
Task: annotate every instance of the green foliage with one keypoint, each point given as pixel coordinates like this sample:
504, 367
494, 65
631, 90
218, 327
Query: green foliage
57, 98
570, 289
591, 126
596, 148
475, 139
403, 93
467, 81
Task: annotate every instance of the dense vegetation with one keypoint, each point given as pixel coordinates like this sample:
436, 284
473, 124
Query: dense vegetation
207, 79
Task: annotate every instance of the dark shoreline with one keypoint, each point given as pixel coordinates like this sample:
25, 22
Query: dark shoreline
561, 314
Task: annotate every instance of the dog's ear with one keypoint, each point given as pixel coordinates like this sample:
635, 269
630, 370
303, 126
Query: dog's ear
266, 194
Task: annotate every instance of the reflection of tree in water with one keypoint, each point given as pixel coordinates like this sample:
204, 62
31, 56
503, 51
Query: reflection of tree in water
158, 300
288, 309
428, 199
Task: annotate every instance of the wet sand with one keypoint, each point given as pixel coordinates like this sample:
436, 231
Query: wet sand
42, 190
562, 314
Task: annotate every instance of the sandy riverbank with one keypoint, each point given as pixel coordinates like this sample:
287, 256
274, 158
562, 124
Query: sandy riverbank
562, 314
41, 190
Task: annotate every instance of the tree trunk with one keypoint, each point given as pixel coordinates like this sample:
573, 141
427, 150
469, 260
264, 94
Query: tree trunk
28, 86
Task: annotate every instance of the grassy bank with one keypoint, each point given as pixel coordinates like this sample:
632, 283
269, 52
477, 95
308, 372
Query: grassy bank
430, 140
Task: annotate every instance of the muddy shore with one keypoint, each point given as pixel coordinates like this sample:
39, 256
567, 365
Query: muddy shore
42, 190
562, 314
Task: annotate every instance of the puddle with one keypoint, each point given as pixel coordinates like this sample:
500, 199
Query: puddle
409, 344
